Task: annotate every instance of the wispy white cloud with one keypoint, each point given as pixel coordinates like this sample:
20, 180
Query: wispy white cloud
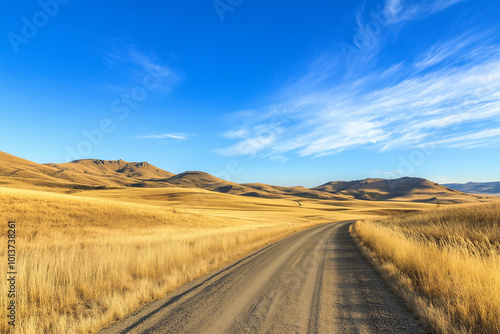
374, 30
473, 47
276, 157
134, 63
253, 139
236, 134
440, 52
488, 137
461, 104
439, 5
176, 136
399, 11
393, 7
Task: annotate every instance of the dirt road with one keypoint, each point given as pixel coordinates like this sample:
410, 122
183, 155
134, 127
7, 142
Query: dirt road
314, 281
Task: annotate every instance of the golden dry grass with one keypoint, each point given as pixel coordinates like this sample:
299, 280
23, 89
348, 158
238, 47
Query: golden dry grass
445, 262
84, 262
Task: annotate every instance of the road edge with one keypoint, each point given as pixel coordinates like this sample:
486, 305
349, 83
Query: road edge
395, 283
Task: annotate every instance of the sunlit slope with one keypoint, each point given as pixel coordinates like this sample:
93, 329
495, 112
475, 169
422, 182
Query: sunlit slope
80, 174
298, 191
87, 174
256, 208
202, 180
117, 172
16, 171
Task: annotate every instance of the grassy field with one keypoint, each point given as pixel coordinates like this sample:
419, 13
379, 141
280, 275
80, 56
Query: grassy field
445, 263
87, 258
84, 262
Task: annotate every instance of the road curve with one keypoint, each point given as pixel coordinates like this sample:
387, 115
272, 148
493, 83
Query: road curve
314, 281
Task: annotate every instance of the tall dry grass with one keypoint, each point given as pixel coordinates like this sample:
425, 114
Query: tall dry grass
83, 263
445, 262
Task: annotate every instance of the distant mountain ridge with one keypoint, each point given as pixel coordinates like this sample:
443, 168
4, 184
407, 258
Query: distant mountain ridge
80, 174
383, 189
116, 172
298, 191
476, 187
107, 174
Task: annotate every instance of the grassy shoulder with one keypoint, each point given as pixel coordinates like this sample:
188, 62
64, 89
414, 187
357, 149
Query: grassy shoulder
444, 262
85, 262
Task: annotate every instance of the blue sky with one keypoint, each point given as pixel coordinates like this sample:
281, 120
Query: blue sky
288, 93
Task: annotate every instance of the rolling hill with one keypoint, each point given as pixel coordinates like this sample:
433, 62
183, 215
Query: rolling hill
404, 188
80, 174
202, 180
296, 191
117, 172
104, 174
14, 170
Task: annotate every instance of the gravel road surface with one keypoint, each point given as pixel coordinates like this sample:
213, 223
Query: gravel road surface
315, 281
